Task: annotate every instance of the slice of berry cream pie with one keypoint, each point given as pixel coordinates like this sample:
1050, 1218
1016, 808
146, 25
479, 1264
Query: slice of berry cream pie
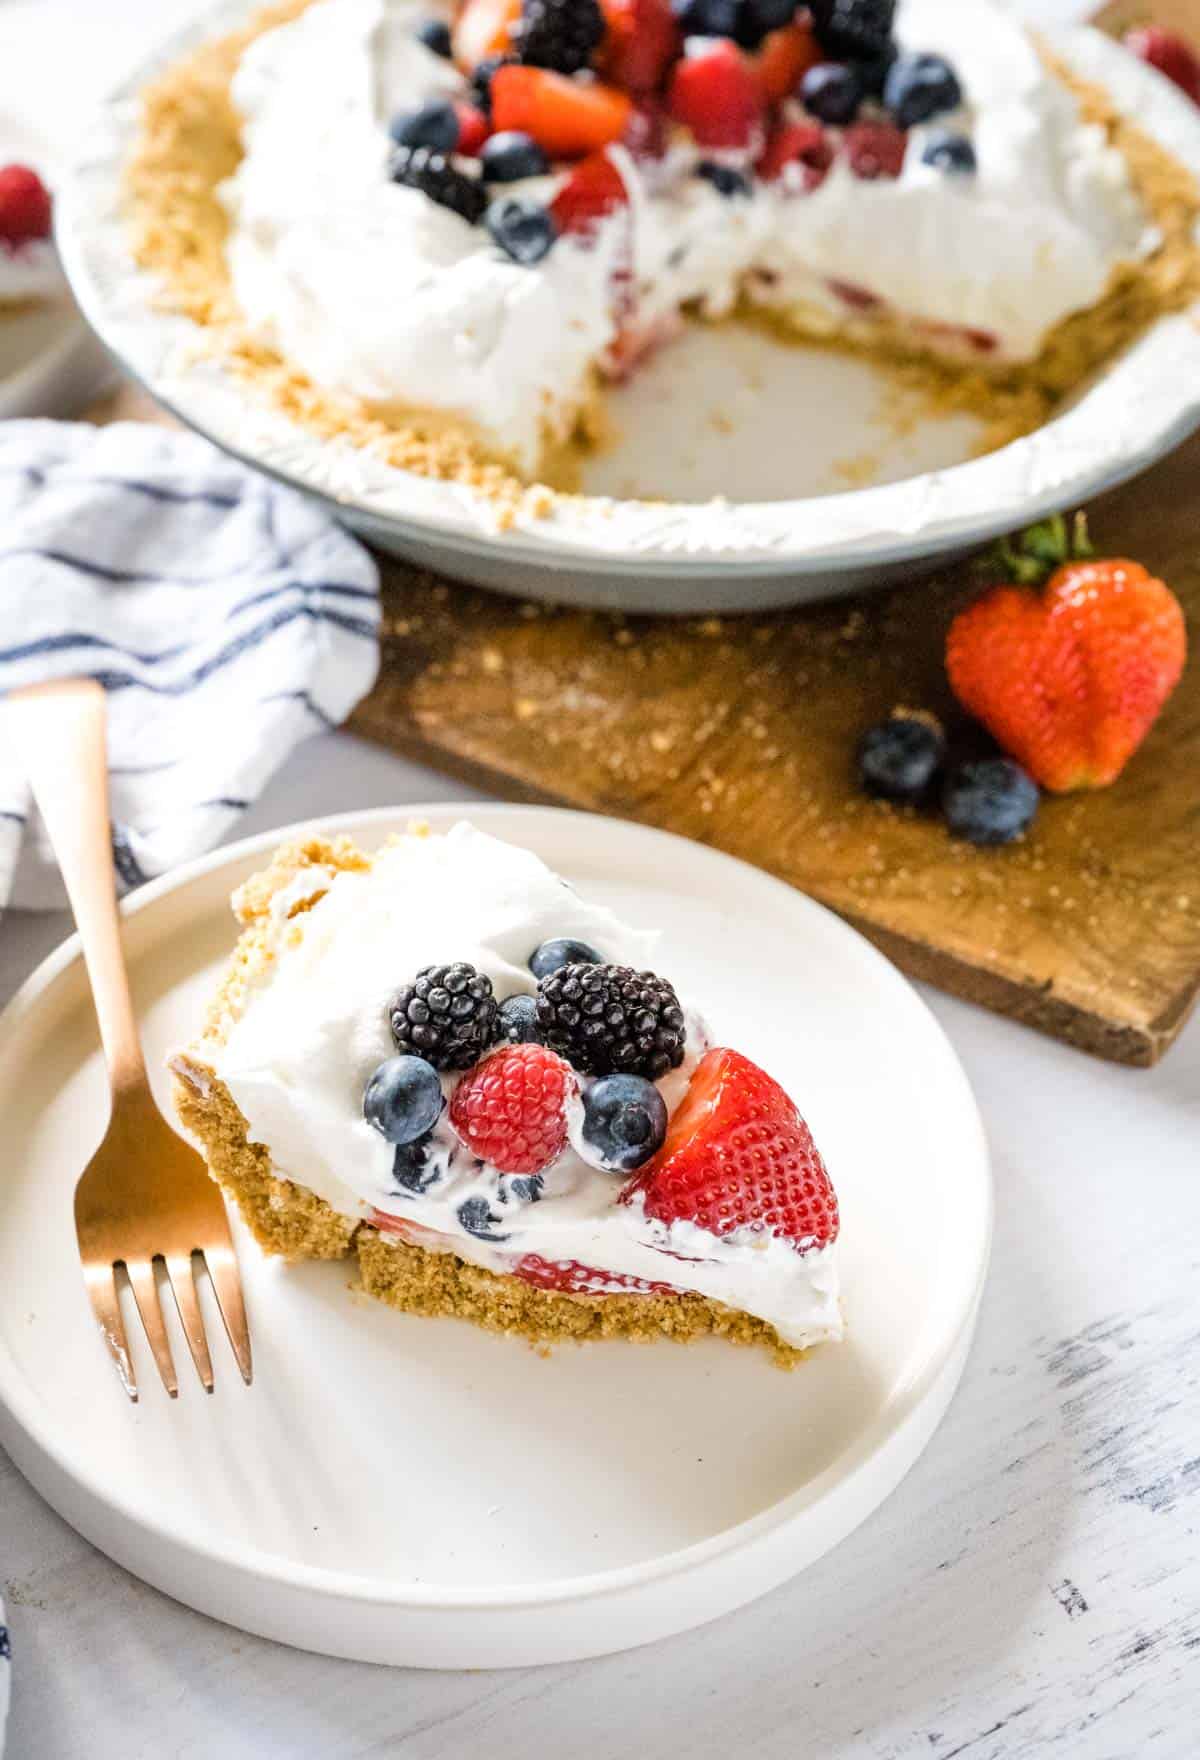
439, 232
442, 1060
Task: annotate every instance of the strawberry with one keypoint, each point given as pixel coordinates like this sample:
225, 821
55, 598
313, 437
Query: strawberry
648, 133
511, 1109
1069, 679
473, 129
803, 144
566, 117
643, 40
572, 1278
716, 94
483, 28
594, 189
739, 1155
783, 58
1171, 54
24, 206
875, 149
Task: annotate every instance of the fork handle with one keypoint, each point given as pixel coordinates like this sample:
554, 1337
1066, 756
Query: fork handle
60, 728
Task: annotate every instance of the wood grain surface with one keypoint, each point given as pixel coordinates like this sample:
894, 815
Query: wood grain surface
741, 733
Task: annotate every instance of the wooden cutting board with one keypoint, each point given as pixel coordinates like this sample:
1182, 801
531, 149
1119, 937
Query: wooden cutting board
741, 733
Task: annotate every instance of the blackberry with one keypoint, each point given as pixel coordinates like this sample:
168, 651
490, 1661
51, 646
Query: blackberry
448, 1015
851, 30
432, 173
559, 34
609, 1019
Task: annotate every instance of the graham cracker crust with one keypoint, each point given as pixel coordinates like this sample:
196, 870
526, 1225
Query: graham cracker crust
288, 1220
189, 143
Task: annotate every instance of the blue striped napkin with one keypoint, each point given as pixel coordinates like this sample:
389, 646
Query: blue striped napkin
227, 617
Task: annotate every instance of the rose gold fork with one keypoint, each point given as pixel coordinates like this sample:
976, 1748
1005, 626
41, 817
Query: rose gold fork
145, 1195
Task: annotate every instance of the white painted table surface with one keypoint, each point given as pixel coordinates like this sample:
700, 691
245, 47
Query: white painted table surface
1032, 1587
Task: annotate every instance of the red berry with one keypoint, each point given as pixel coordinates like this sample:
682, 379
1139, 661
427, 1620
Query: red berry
584, 1280
802, 144
647, 135
739, 1155
25, 212
716, 94
1071, 679
511, 1109
643, 40
473, 129
566, 117
594, 189
875, 149
1170, 54
784, 56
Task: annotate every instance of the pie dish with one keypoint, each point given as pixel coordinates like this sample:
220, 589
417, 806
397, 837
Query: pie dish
529, 1131
636, 554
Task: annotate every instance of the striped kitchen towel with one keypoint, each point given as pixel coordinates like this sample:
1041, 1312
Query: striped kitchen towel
226, 616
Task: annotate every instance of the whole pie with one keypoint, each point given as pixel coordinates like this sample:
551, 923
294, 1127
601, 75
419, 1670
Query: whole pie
442, 231
442, 1061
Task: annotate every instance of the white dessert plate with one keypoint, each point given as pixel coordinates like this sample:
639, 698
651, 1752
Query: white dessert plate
780, 435
50, 362
416, 1491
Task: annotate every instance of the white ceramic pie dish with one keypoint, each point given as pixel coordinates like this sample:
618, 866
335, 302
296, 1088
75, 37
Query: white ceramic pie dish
683, 555
417, 1491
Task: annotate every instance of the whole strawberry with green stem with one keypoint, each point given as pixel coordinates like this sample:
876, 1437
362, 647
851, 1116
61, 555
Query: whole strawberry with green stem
1069, 662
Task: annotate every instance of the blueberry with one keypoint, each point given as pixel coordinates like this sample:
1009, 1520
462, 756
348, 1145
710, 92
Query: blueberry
989, 801
552, 956
526, 1188
874, 70
435, 34
920, 86
950, 152
831, 93
899, 759
433, 125
725, 179
510, 156
411, 1167
518, 1020
403, 1099
624, 1121
523, 230
475, 1216
707, 18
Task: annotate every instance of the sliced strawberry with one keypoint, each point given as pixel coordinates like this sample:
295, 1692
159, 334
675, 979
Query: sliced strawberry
25, 209
875, 149
643, 40
572, 1278
715, 92
566, 117
784, 57
473, 129
594, 189
802, 144
483, 28
739, 1155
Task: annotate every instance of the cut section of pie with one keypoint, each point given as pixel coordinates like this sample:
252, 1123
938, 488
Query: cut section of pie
442, 1060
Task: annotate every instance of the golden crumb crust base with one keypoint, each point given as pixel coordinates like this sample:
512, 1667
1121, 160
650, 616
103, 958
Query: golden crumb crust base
288, 1220
189, 142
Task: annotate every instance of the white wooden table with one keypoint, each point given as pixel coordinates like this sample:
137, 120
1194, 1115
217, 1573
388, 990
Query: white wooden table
1032, 1587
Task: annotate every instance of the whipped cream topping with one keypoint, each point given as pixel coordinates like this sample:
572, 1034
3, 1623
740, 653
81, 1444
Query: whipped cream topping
377, 292
315, 1026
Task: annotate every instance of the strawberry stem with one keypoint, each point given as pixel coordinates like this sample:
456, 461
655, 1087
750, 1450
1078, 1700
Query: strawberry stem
1036, 552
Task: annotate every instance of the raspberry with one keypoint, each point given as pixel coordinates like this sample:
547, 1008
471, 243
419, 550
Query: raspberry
24, 206
874, 149
607, 1019
512, 1109
562, 35
448, 1015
